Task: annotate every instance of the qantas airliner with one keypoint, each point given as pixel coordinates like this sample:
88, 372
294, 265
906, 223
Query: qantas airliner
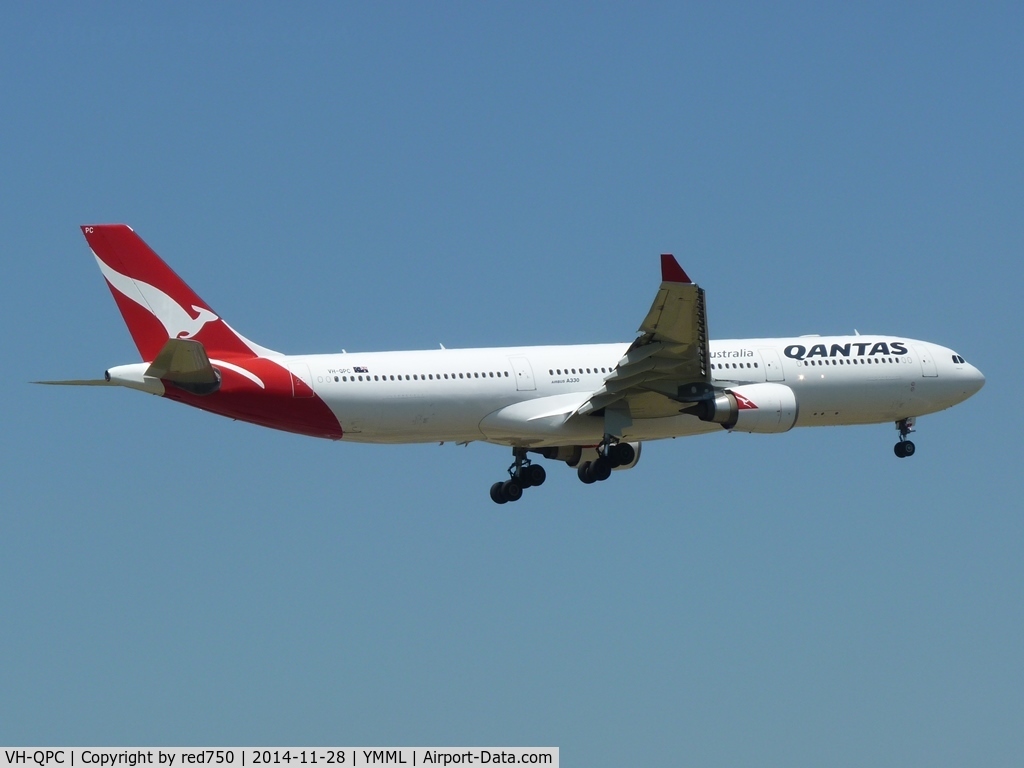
589, 405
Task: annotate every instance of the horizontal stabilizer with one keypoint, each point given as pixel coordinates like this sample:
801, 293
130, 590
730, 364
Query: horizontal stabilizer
78, 383
184, 363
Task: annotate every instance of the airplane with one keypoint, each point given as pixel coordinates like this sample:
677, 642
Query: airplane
591, 406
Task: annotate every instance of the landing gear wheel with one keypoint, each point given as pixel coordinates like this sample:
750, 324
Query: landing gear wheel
904, 448
497, 496
584, 473
535, 474
601, 469
622, 454
512, 490
522, 475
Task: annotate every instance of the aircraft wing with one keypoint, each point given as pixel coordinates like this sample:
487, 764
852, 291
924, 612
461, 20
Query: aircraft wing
666, 369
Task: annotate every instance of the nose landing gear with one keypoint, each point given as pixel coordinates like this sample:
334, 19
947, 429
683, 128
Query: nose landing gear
522, 475
904, 447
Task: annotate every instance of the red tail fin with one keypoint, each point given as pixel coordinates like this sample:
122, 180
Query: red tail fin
156, 304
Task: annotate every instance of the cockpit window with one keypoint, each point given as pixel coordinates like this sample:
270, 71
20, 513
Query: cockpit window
959, 360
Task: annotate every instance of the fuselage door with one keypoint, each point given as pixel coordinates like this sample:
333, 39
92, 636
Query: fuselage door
302, 380
927, 361
772, 364
524, 373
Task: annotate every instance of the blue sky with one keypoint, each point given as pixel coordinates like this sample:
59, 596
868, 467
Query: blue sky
395, 176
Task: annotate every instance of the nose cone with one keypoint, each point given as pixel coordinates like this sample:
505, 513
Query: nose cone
973, 379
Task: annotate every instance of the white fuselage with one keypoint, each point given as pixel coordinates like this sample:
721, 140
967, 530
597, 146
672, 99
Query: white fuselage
590, 406
524, 395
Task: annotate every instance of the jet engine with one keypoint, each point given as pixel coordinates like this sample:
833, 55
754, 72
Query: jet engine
762, 408
626, 454
623, 455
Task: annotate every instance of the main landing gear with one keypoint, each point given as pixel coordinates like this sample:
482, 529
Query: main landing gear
611, 455
904, 447
522, 475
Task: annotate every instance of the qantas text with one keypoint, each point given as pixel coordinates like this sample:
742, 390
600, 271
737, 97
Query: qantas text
858, 348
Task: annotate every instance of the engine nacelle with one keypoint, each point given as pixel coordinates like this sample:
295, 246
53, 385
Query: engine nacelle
624, 451
762, 408
624, 455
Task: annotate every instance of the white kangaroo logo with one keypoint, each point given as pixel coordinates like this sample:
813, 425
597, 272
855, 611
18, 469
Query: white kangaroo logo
178, 323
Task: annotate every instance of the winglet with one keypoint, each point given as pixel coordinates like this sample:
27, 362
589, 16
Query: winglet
671, 272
